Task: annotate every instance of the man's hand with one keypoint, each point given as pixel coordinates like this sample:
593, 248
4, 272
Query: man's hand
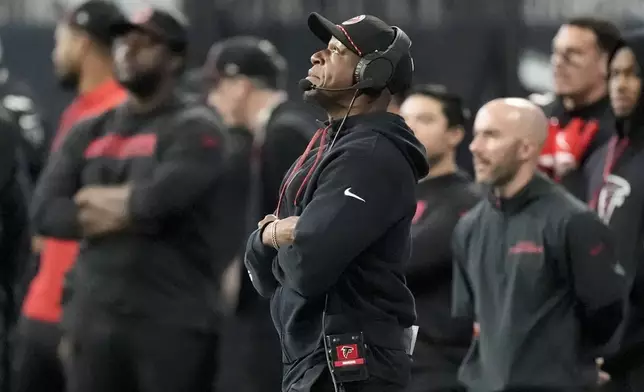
267, 219
103, 209
284, 231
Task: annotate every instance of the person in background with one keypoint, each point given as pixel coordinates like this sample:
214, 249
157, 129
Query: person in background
535, 268
144, 186
248, 78
18, 100
437, 118
580, 117
616, 184
14, 234
82, 63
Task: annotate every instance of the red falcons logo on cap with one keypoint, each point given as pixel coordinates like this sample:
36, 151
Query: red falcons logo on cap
346, 351
142, 16
354, 20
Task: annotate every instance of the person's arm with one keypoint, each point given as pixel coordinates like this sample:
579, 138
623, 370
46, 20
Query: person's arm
357, 199
187, 168
54, 212
462, 294
259, 261
600, 281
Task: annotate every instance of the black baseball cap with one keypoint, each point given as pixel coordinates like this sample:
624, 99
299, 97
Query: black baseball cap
169, 28
96, 17
365, 34
247, 56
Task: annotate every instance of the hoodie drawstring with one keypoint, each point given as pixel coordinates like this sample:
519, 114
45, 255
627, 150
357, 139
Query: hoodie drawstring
320, 133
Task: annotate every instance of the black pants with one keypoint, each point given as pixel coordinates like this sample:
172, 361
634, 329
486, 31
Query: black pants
36, 366
325, 384
250, 354
110, 354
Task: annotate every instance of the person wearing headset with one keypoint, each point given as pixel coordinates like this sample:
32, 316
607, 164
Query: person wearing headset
332, 256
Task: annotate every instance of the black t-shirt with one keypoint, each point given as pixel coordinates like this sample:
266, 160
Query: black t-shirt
442, 340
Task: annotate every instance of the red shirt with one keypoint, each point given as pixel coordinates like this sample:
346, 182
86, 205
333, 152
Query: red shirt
57, 256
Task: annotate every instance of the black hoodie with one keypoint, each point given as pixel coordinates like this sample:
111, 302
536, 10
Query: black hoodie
617, 188
355, 198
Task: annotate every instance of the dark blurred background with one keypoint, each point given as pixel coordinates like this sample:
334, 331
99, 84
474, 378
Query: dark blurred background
480, 49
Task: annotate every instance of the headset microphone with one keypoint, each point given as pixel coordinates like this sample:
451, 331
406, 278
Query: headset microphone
307, 85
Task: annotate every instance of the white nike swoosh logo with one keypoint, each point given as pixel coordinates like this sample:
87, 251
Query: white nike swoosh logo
619, 269
347, 192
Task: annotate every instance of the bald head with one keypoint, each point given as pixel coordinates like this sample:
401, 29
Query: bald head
519, 116
508, 136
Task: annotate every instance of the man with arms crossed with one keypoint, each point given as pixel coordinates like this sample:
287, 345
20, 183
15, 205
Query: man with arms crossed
332, 257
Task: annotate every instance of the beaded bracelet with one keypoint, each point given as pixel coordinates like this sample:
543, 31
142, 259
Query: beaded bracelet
274, 235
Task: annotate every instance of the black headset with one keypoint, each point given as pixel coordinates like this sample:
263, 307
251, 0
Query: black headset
376, 69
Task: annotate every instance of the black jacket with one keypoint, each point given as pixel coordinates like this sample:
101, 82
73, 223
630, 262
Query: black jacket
33, 133
442, 340
14, 222
355, 201
166, 264
539, 273
617, 189
574, 181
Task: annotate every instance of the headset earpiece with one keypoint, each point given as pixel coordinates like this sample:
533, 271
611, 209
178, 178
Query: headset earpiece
376, 68
379, 67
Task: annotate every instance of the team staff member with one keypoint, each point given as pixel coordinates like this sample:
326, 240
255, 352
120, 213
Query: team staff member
534, 267
14, 234
332, 257
248, 77
17, 98
144, 185
580, 116
82, 62
618, 197
437, 118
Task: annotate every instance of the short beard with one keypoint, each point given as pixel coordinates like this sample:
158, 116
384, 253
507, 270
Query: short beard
143, 85
69, 81
329, 101
505, 172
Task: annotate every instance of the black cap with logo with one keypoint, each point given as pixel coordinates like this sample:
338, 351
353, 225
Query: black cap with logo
246, 56
167, 27
96, 18
365, 34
